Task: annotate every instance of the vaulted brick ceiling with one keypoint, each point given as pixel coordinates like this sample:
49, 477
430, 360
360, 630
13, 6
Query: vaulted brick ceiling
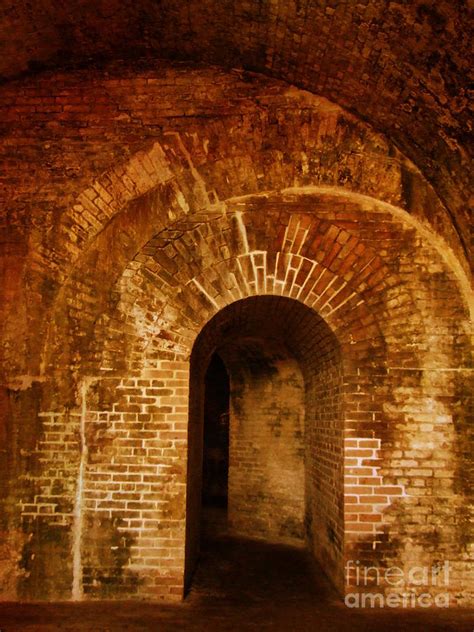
402, 65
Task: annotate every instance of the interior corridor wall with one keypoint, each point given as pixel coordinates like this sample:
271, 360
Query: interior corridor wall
139, 228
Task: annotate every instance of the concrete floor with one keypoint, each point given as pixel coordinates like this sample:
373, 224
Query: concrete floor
239, 585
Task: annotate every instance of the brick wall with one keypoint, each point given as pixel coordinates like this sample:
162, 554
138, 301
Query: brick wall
75, 201
124, 264
266, 469
134, 485
391, 64
325, 524
286, 426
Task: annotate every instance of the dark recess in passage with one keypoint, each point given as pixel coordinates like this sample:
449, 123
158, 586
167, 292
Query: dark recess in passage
216, 435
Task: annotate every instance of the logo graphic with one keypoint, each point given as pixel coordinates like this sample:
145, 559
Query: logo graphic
401, 587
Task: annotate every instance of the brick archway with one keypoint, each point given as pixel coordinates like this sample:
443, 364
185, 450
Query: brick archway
133, 375
286, 427
290, 141
124, 280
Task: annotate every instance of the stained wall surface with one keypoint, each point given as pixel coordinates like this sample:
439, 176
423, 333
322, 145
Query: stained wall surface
403, 66
266, 473
286, 425
140, 205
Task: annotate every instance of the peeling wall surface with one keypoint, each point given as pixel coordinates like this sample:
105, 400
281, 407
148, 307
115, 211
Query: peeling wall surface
154, 212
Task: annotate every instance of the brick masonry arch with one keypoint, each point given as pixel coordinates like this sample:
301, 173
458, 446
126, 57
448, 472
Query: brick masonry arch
123, 425
180, 300
286, 433
90, 190
361, 56
75, 301
285, 195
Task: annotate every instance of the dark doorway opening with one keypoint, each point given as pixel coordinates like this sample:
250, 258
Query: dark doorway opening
265, 433
216, 435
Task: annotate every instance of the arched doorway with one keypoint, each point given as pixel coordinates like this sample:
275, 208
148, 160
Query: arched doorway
285, 480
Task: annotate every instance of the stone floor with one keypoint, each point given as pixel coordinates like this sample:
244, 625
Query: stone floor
239, 585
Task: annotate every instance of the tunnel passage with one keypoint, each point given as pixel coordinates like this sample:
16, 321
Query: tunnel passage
285, 427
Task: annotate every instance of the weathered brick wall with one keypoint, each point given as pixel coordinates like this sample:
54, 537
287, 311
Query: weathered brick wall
38, 483
237, 332
403, 66
133, 492
120, 273
266, 452
324, 441
47, 511
83, 178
